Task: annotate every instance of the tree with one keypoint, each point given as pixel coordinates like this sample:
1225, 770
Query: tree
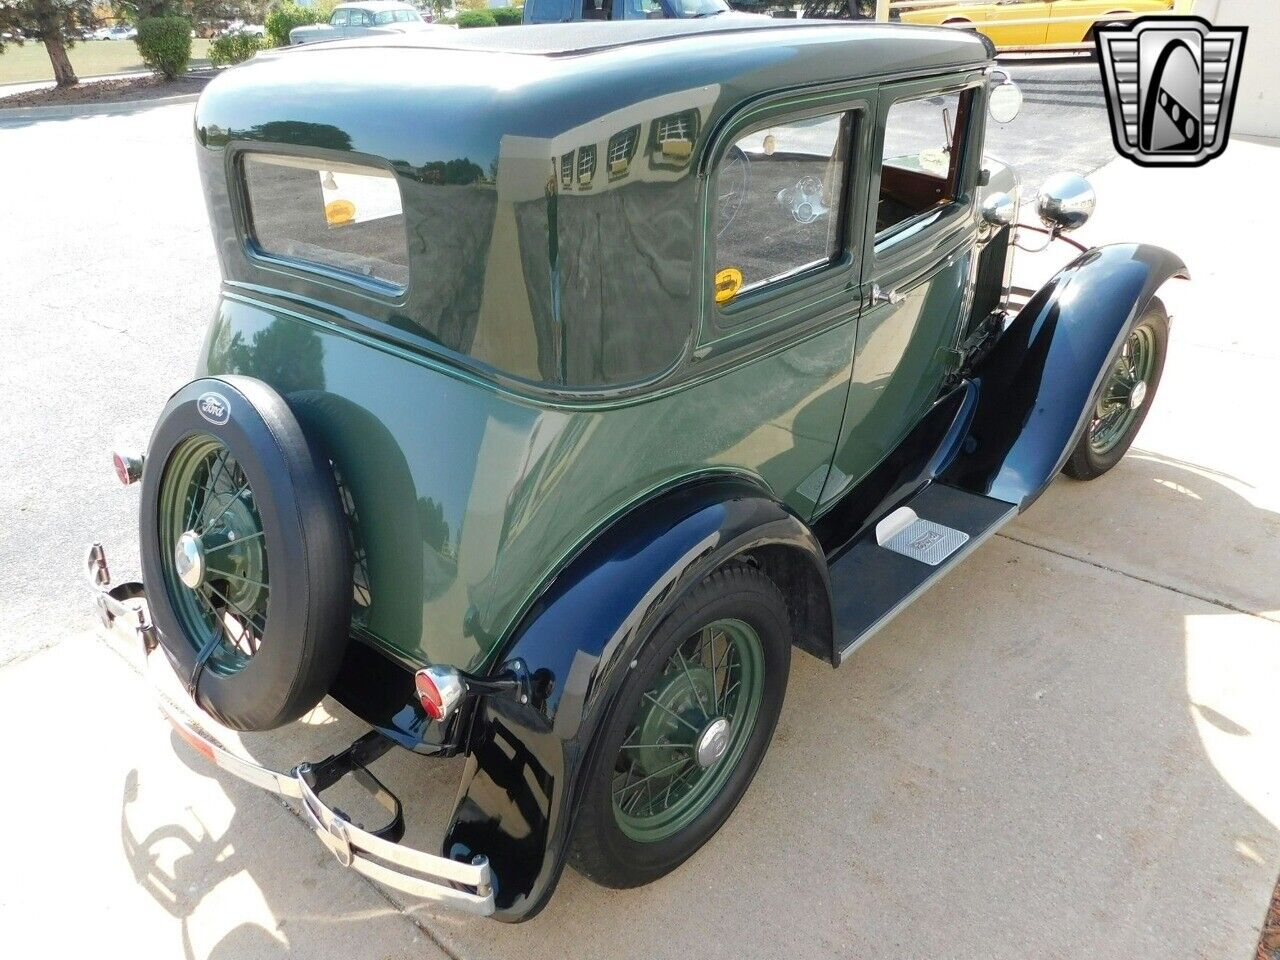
55, 22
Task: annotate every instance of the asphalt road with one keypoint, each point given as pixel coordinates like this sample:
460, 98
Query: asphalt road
1063, 125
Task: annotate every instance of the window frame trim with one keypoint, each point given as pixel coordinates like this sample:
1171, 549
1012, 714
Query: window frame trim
904, 238
385, 291
765, 312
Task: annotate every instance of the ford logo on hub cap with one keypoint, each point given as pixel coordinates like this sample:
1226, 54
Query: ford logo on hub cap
214, 408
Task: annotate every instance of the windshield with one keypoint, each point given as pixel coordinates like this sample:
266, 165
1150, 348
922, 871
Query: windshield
396, 16
700, 8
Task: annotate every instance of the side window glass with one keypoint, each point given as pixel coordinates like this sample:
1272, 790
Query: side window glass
339, 19
778, 196
359, 18
543, 11
923, 146
643, 9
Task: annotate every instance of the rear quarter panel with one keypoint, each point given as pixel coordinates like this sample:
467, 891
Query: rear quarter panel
471, 498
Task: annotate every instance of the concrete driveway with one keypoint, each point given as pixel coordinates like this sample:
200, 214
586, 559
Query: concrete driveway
1066, 750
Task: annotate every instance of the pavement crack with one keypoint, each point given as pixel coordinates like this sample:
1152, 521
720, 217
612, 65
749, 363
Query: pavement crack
1215, 601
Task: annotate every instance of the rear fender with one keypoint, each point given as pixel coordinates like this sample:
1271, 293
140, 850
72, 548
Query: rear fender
521, 784
1040, 381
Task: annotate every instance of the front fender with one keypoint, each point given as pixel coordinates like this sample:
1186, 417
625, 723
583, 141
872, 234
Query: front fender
1040, 381
520, 787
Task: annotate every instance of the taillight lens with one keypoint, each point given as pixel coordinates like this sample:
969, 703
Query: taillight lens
440, 690
128, 467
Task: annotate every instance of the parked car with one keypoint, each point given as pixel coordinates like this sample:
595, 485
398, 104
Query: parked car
365, 19
538, 421
566, 11
119, 32
240, 26
1062, 23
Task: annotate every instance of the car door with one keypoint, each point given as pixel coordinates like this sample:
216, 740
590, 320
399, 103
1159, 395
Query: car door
919, 243
1003, 27
783, 242
359, 23
1067, 28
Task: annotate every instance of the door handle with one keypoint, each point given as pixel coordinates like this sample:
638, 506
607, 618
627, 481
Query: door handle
879, 296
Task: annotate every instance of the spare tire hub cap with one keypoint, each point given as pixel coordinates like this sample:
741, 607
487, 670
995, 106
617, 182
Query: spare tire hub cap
188, 559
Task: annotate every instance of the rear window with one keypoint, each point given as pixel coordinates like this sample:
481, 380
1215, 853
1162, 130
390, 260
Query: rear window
340, 217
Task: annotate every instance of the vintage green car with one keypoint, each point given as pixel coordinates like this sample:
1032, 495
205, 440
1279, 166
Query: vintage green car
565, 378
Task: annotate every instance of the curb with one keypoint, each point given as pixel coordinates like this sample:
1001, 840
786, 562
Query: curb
90, 109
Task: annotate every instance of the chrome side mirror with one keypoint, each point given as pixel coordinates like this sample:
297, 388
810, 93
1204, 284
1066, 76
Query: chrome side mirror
1004, 102
999, 210
1066, 202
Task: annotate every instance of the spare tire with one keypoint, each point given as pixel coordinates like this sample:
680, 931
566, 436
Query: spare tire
245, 553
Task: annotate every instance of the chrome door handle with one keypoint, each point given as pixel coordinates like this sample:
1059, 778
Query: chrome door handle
879, 297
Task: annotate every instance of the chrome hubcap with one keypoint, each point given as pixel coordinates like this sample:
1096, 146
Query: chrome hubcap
1137, 395
713, 742
188, 559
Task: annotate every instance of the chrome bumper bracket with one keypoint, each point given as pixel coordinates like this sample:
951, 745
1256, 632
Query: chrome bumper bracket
374, 853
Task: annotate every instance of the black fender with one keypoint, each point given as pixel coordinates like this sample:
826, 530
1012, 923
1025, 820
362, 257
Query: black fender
521, 785
1039, 382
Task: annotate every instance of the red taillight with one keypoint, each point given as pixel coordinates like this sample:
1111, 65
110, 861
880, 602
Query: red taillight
429, 695
128, 468
439, 690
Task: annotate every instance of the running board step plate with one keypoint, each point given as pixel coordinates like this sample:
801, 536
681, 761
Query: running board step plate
904, 532
905, 554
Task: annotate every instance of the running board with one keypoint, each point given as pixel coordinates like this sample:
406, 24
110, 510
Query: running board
907, 552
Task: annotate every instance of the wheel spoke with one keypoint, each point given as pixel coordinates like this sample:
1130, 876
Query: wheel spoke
673, 745
234, 497
232, 543
211, 489
234, 606
657, 773
235, 576
689, 677
667, 710
222, 623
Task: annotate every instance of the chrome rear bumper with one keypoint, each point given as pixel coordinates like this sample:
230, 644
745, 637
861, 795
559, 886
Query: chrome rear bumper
374, 853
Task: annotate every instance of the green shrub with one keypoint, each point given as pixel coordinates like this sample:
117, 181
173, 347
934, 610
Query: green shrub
476, 18
165, 44
229, 48
508, 16
287, 16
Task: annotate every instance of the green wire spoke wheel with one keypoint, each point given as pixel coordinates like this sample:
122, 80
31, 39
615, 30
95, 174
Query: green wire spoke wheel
1125, 392
246, 553
689, 731
215, 564
1125, 398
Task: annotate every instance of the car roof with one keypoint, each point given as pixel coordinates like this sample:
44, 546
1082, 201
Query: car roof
574, 39
441, 94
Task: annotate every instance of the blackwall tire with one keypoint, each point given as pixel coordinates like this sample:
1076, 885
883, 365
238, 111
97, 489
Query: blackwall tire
304, 554
1091, 459
607, 847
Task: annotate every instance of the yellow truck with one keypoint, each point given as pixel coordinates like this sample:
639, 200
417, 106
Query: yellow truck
1053, 21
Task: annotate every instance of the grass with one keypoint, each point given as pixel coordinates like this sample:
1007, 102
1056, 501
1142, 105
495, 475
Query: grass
90, 58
